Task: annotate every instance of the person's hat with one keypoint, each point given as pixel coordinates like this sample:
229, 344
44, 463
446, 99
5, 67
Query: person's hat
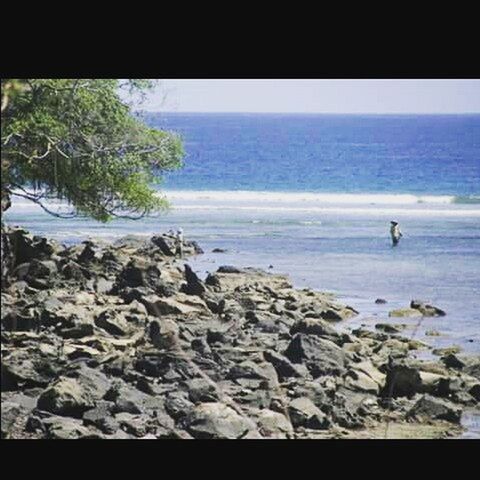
394, 223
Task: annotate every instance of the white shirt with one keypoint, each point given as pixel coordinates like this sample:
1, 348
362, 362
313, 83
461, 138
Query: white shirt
395, 231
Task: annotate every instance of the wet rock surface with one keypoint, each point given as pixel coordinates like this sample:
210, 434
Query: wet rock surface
124, 340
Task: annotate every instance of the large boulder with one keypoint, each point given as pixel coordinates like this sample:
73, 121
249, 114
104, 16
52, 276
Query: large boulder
304, 413
181, 303
10, 412
138, 273
314, 326
402, 380
21, 370
228, 278
216, 420
113, 322
66, 397
194, 285
254, 371
164, 334
427, 310
321, 356
432, 408
284, 367
273, 424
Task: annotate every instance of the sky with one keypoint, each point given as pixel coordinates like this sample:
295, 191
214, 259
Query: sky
316, 96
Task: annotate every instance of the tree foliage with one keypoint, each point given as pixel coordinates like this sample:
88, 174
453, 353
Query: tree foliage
77, 140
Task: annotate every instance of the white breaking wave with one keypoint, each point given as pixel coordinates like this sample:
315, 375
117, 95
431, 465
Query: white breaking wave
303, 202
374, 204
310, 197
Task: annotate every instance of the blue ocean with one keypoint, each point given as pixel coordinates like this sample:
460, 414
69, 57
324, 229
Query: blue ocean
313, 196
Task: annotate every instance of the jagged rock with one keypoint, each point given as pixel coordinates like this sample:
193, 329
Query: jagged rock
178, 405
202, 391
167, 245
321, 356
364, 377
101, 417
27, 247
10, 412
103, 285
90, 253
402, 381
453, 361
136, 425
429, 407
283, 366
380, 301
390, 328
311, 326
73, 271
164, 334
229, 269
114, 323
243, 346
61, 428
21, 370
273, 424
446, 351
66, 397
41, 269
426, 309
126, 399
216, 420
194, 285
254, 371
246, 277
78, 331
138, 273
304, 413
179, 304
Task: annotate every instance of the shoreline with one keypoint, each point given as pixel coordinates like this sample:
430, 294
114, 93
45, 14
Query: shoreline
243, 354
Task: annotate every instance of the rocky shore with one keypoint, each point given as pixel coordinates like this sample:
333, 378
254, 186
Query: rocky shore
123, 340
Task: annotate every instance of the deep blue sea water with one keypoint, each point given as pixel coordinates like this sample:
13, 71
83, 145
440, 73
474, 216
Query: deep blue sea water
328, 153
313, 195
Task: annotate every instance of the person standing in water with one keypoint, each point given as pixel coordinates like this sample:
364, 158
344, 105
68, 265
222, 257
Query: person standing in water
179, 249
395, 233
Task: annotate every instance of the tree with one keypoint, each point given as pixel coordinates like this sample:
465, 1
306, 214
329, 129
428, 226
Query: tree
77, 140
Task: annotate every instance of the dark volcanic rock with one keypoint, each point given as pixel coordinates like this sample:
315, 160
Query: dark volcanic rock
126, 341
138, 273
435, 408
402, 381
21, 370
66, 397
10, 412
102, 418
194, 285
321, 356
426, 309
304, 413
283, 366
216, 420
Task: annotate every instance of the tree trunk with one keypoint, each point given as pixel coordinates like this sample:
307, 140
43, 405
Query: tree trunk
7, 259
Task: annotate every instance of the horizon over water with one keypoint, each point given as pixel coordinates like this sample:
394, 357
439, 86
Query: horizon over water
313, 195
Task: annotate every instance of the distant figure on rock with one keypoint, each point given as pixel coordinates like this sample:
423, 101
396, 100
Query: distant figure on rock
395, 233
179, 248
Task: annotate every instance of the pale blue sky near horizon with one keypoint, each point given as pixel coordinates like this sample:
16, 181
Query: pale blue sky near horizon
380, 96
